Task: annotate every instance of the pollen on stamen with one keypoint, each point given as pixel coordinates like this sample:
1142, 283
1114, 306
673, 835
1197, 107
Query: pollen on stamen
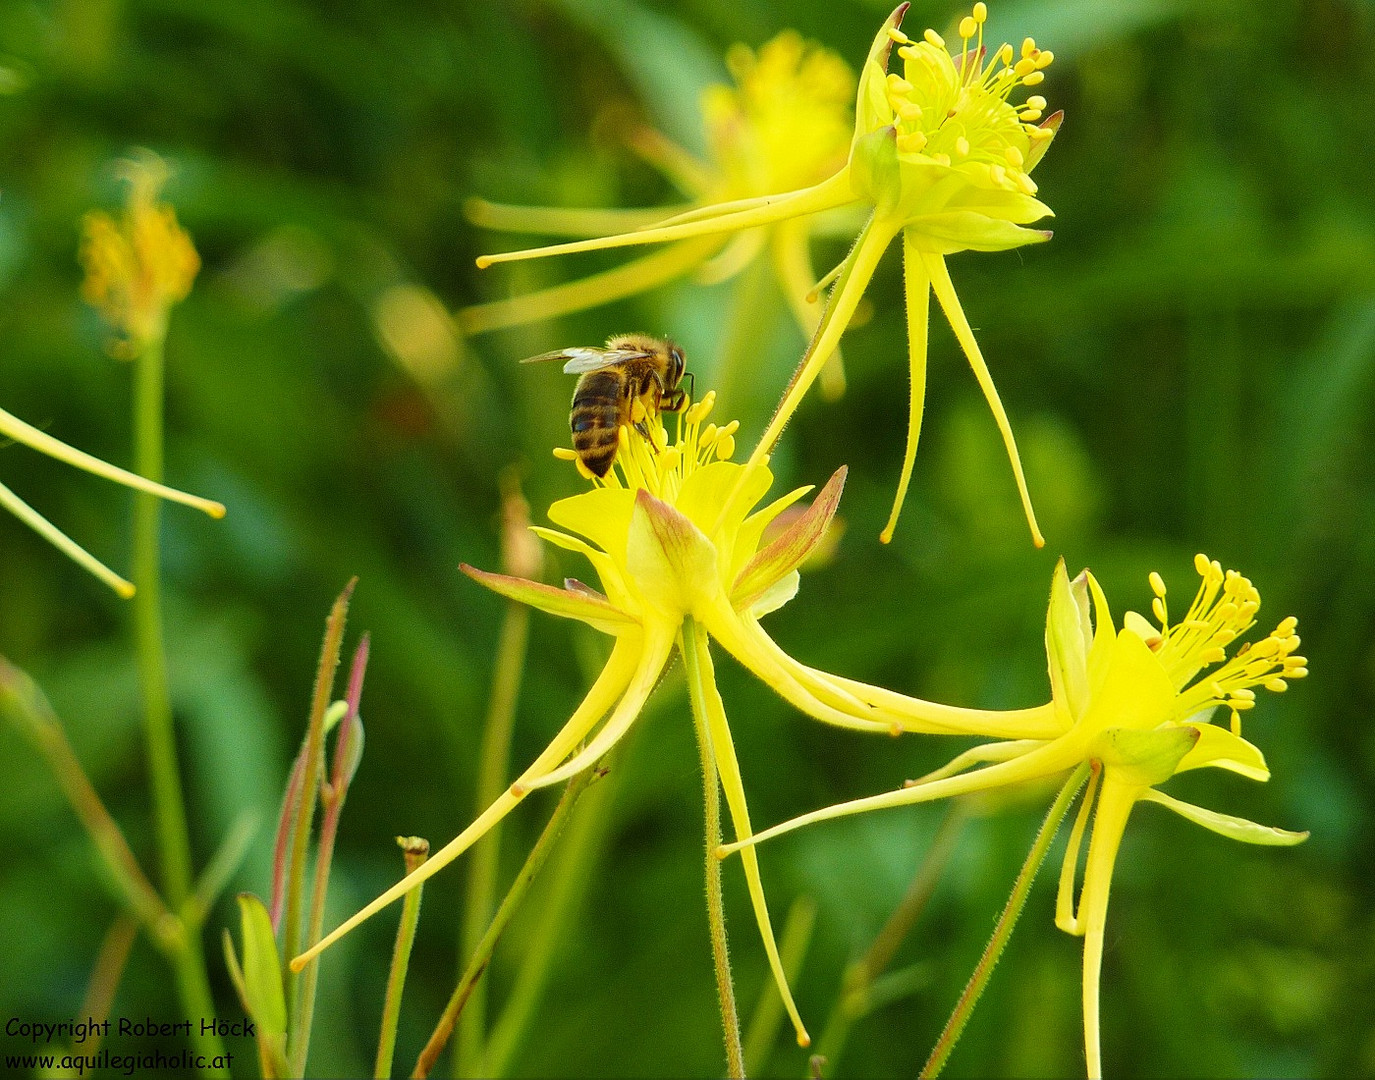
968, 27
980, 13
934, 38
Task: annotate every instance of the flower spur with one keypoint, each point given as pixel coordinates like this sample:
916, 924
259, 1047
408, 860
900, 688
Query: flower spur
1135, 705
940, 157
11, 427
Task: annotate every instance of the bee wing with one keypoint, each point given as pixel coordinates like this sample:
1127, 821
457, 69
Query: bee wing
581, 361
557, 354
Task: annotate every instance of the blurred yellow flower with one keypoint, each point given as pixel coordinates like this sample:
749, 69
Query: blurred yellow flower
784, 124
11, 427
139, 266
675, 538
1136, 707
940, 156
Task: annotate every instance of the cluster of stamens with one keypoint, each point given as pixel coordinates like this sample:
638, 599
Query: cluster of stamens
655, 464
1223, 609
969, 119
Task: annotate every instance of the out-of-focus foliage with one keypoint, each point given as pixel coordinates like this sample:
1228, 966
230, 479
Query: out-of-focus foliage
1189, 364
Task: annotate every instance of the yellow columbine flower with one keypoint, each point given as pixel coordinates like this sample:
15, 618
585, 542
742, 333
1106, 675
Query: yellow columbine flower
941, 156
139, 266
11, 427
1136, 706
785, 124
673, 534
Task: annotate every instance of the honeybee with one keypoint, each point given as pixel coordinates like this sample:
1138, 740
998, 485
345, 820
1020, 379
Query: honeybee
632, 367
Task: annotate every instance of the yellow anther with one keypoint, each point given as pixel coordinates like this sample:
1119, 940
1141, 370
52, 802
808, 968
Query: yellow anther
699, 412
1029, 115
1028, 47
1248, 695
637, 411
1241, 704
725, 446
1157, 582
896, 35
1276, 685
912, 143
587, 474
934, 38
731, 428
708, 435
1202, 565
1024, 67
941, 159
968, 27
1295, 661
1295, 673
1213, 656
998, 174
1265, 648
1286, 626
909, 111
1044, 58
1292, 643
563, 453
897, 85
980, 13
1014, 157
1004, 54
1236, 724
670, 458
962, 147
1037, 102
1158, 608
1034, 78
1026, 183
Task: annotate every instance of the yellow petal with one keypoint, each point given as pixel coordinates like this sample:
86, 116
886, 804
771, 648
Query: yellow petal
602, 515
872, 108
1218, 746
1234, 828
967, 230
565, 603
1067, 646
1136, 691
669, 558
790, 550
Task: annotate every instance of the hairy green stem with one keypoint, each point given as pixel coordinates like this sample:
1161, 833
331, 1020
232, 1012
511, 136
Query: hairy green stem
716, 913
482, 956
983, 971
491, 781
415, 851
169, 807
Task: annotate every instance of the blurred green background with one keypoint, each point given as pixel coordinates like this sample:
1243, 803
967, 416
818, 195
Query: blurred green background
1189, 366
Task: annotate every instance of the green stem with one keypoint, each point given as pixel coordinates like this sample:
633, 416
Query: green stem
482, 956
983, 971
856, 995
415, 851
716, 914
169, 808
301, 986
491, 781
